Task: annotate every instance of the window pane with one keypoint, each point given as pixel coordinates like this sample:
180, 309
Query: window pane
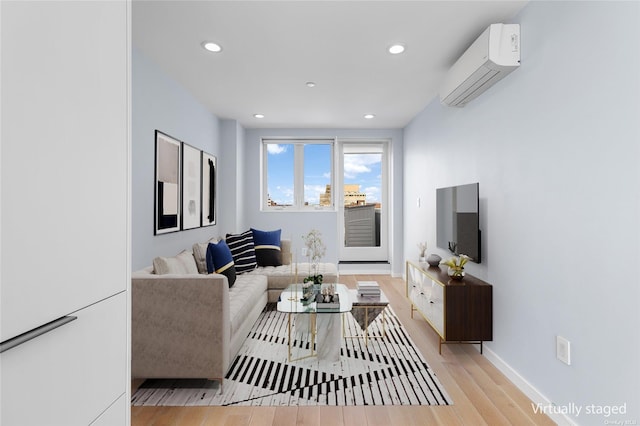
317, 175
280, 168
362, 199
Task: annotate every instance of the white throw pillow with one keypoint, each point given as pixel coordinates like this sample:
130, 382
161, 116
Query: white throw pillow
200, 255
183, 263
189, 262
167, 265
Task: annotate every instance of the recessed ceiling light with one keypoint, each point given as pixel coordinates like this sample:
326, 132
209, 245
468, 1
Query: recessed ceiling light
310, 84
258, 115
396, 48
212, 47
369, 116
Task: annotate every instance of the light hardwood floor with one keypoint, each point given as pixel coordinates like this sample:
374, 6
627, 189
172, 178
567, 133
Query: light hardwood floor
481, 394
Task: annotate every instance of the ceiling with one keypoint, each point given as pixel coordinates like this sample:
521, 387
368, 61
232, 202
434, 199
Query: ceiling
271, 49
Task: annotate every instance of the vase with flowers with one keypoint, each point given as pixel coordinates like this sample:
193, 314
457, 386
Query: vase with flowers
315, 251
422, 248
456, 266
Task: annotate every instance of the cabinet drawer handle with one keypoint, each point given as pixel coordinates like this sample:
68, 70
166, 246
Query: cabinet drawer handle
36, 332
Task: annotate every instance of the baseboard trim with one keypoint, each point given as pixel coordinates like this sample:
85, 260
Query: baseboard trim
362, 268
527, 388
363, 272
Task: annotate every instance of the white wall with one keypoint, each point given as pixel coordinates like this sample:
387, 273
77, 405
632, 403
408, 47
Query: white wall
555, 148
230, 176
158, 102
294, 225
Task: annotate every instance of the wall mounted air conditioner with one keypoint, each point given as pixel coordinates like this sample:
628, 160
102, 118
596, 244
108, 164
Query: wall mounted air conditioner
490, 58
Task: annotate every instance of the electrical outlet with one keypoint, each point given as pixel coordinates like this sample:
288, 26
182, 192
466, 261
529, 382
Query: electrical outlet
563, 350
304, 251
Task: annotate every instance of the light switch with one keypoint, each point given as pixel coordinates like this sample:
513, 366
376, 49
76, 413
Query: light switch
563, 350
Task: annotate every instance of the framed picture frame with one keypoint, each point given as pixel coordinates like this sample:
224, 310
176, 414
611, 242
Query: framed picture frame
168, 186
209, 177
191, 187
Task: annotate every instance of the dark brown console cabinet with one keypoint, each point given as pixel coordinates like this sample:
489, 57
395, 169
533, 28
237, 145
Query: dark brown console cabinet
459, 311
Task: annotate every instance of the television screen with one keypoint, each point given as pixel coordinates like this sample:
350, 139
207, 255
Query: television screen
457, 220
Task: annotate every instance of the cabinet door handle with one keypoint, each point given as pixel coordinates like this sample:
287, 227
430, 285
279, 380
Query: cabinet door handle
36, 332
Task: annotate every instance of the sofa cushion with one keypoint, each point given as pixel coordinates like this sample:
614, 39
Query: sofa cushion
267, 246
244, 296
279, 277
183, 263
243, 251
220, 261
200, 255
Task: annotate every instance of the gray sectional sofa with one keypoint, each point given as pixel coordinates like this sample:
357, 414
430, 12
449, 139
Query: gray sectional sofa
190, 324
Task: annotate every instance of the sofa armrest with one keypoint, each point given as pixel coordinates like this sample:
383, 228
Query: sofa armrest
180, 325
285, 248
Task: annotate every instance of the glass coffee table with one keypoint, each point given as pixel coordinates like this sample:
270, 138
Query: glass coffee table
324, 326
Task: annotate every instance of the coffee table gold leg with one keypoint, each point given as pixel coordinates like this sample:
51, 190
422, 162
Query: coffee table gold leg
384, 322
366, 326
313, 333
312, 329
289, 341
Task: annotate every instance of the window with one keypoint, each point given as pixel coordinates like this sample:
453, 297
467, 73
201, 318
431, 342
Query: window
297, 174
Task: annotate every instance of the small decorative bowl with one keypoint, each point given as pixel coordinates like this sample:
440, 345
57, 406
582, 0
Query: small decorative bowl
433, 260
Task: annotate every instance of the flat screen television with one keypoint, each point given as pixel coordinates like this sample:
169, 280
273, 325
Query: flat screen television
458, 221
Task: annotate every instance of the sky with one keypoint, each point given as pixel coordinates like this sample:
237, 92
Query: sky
362, 169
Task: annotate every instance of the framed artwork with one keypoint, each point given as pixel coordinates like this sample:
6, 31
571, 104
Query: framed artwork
191, 182
167, 184
209, 169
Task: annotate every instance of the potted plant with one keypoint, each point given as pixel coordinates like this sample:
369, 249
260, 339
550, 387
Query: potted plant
315, 252
456, 266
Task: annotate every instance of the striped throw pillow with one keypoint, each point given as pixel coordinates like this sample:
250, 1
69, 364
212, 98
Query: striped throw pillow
243, 251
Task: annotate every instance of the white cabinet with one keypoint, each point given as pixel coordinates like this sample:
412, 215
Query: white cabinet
65, 209
427, 297
114, 415
64, 158
56, 371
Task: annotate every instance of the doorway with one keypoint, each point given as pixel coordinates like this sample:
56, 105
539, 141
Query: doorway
362, 200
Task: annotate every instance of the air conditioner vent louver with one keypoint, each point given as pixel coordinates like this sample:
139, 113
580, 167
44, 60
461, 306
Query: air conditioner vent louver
494, 55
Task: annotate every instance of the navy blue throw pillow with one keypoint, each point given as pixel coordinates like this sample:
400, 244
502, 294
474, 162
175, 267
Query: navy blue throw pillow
267, 246
220, 261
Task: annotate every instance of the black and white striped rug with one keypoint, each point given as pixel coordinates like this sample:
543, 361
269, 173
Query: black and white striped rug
388, 371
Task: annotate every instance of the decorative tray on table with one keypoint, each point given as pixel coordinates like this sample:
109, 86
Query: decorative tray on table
327, 302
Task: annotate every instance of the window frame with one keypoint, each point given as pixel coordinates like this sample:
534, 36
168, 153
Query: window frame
298, 174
